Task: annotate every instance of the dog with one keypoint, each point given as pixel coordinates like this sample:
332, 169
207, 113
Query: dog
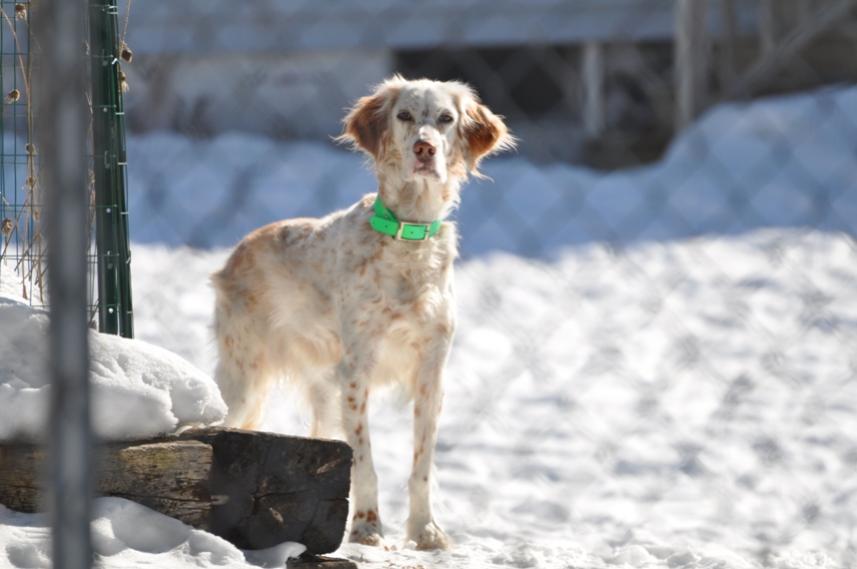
363, 296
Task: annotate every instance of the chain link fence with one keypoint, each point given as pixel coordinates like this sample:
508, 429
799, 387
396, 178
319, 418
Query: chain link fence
657, 309
656, 354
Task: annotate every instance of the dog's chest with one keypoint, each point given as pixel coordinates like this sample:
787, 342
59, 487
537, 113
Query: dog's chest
410, 286
413, 285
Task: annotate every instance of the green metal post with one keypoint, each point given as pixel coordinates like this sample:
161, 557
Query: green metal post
115, 311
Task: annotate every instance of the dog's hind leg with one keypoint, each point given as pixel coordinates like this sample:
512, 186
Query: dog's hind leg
243, 371
324, 399
245, 391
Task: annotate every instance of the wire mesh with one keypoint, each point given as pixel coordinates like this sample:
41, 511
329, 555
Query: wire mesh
638, 300
655, 358
22, 256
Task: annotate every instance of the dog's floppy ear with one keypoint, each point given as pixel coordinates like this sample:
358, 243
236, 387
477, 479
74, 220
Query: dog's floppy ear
367, 120
483, 133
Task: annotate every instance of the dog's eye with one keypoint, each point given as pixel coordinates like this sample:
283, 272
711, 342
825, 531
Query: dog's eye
445, 118
405, 116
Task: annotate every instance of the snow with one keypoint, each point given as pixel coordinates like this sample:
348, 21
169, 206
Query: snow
667, 381
139, 389
128, 535
679, 404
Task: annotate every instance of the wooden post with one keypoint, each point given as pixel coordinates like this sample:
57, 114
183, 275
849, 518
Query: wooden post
728, 37
691, 59
767, 27
593, 89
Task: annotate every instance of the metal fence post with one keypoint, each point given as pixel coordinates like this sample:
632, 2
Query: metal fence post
108, 131
61, 146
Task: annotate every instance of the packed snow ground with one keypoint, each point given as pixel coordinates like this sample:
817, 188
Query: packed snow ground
664, 401
686, 404
684, 397
126, 535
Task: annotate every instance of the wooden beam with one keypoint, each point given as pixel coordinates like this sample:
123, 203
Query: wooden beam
321, 562
594, 120
691, 59
254, 489
168, 477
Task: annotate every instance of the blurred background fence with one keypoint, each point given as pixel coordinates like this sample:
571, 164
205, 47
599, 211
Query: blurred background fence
259, 90
685, 153
643, 124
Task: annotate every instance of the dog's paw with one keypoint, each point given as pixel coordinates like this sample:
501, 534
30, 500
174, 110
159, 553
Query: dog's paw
429, 536
366, 529
366, 534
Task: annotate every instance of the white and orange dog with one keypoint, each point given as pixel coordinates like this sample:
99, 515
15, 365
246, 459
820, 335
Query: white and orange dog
363, 297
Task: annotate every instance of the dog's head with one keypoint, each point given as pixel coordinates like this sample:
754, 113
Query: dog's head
436, 130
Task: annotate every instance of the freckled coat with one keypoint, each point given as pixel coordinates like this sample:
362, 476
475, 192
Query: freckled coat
339, 308
289, 283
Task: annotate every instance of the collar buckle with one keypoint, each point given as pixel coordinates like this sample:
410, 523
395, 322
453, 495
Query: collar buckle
426, 227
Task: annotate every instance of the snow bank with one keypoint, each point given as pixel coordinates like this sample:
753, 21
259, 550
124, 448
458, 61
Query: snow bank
139, 390
781, 162
128, 535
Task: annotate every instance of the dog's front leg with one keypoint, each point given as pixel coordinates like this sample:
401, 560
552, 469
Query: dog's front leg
427, 405
354, 375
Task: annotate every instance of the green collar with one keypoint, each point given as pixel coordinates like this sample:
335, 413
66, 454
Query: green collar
384, 221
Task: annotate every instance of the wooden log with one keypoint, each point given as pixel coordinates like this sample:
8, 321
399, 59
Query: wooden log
253, 489
319, 562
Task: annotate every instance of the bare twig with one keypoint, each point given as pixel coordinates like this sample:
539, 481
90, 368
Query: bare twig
30, 200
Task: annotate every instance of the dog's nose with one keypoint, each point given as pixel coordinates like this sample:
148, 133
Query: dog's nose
424, 150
